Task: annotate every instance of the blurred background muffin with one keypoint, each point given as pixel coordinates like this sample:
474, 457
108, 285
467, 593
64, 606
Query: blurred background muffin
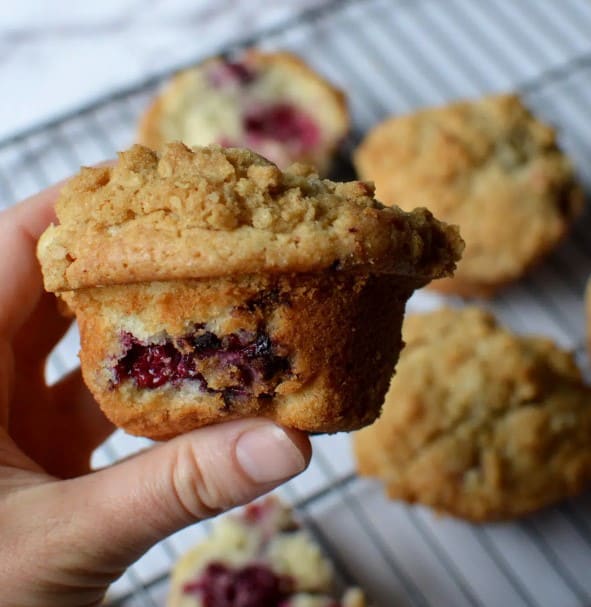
271, 103
487, 165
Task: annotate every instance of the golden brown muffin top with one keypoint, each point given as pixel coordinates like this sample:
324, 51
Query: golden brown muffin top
488, 165
216, 211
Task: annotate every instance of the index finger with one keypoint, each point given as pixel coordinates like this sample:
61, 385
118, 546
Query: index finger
21, 283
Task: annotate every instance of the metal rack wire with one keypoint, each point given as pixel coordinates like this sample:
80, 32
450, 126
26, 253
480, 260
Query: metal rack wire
391, 57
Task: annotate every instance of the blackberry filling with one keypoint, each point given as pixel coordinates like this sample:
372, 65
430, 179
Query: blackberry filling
281, 122
235, 365
258, 513
154, 365
269, 519
249, 586
228, 73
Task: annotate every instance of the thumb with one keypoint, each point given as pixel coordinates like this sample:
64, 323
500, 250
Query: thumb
123, 510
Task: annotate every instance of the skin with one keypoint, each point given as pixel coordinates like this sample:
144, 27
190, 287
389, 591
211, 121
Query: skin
67, 532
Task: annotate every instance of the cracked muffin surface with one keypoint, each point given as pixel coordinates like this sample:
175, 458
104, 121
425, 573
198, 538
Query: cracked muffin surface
270, 102
478, 422
215, 211
209, 285
489, 166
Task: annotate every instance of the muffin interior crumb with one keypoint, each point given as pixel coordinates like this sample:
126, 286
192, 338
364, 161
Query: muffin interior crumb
251, 103
253, 585
243, 363
264, 120
261, 558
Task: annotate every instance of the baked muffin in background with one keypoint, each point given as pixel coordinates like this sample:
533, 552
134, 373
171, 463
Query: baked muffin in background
258, 557
269, 102
209, 285
490, 167
480, 423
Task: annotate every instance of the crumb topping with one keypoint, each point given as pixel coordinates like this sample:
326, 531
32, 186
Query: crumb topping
215, 211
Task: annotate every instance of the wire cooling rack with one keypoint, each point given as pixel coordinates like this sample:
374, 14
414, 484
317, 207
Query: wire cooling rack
390, 57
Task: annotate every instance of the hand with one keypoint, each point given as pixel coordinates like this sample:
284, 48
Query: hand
65, 532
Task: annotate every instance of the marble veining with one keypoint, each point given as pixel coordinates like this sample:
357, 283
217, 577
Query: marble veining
56, 56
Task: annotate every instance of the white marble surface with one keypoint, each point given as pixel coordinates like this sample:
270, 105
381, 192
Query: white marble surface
57, 55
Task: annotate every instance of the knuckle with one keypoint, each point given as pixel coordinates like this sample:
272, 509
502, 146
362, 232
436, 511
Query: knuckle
195, 495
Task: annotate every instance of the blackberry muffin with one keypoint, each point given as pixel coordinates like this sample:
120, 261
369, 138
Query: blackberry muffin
209, 285
488, 166
272, 103
257, 558
480, 423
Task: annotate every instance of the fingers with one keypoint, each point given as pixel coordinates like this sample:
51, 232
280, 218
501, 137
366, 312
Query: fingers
6, 380
68, 426
40, 332
21, 285
80, 409
35, 213
78, 419
142, 500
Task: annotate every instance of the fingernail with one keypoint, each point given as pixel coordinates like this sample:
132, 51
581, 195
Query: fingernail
268, 455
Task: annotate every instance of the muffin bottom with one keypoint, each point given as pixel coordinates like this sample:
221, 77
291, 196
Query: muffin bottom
311, 351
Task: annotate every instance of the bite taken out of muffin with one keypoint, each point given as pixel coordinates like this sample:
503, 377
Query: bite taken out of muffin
209, 285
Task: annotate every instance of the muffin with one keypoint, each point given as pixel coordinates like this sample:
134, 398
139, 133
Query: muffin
480, 423
272, 103
487, 165
209, 285
259, 557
